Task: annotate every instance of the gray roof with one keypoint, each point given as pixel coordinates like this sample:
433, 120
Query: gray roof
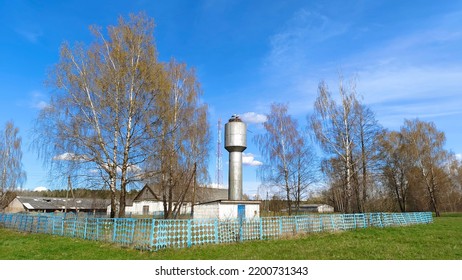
211, 194
203, 194
57, 203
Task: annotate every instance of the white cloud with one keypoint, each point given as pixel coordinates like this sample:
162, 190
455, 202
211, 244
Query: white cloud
70, 157
65, 156
249, 159
252, 117
40, 105
37, 100
459, 157
40, 189
133, 168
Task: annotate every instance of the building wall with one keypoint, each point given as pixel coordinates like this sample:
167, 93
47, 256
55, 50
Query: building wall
137, 208
206, 211
229, 211
154, 207
325, 209
252, 211
225, 211
15, 206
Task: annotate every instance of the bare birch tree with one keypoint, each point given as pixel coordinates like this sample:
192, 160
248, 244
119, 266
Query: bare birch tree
347, 132
304, 169
184, 139
454, 196
12, 174
289, 161
333, 125
426, 146
397, 167
368, 155
103, 107
417, 166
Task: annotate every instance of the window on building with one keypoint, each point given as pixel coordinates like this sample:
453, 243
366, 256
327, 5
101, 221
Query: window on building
146, 210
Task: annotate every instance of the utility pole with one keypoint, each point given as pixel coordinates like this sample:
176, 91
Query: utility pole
69, 188
194, 191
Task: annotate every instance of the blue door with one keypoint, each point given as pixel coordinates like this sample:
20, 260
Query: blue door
241, 211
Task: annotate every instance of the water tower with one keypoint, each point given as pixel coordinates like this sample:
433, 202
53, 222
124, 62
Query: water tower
234, 206
235, 144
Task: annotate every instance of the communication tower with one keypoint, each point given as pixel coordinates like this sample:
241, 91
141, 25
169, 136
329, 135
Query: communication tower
219, 164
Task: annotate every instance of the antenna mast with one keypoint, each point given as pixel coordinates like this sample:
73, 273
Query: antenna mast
219, 167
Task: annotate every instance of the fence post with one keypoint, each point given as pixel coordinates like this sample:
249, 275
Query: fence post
53, 226
332, 222
280, 226
261, 228
33, 223
321, 226
37, 227
85, 229
217, 240
114, 227
296, 224
46, 224
241, 229
21, 224
151, 238
132, 237
62, 226
75, 227
189, 233
97, 228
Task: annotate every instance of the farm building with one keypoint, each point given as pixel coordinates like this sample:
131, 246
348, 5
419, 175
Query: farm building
227, 209
56, 204
149, 200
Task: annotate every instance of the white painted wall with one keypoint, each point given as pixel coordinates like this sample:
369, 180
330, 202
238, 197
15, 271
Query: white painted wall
325, 209
137, 208
225, 211
154, 206
252, 211
206, 211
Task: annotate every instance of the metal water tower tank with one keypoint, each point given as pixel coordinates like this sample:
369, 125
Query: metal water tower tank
235, 144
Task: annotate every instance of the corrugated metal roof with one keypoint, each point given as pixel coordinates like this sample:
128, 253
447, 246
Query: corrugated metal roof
55, 203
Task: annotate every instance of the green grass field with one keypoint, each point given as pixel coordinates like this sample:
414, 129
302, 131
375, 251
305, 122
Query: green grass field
441, 240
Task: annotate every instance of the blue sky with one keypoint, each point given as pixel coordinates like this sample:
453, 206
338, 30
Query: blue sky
407, 58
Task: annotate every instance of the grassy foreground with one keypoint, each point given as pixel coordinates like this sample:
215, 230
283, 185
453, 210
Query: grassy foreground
441, 240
